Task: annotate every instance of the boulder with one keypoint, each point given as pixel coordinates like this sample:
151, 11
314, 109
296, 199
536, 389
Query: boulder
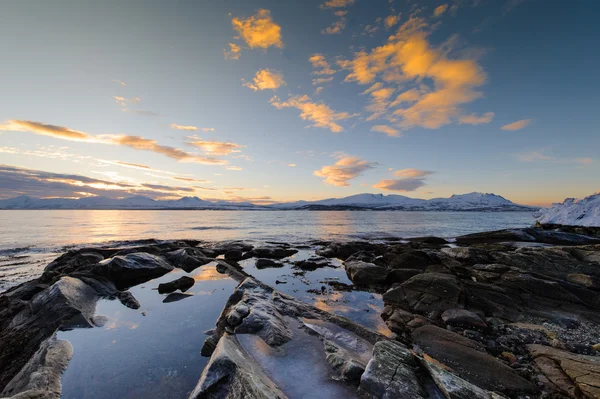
411, 260
128, 300
263, 263
272, 252
469, 360
463, 318
313, 263
131, 269
425, 293
183, 284
188, 259
234, 254
391, 373
401, 275
363, 273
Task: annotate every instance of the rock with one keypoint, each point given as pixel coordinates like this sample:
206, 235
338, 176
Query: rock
469, 255
596, 347
398, 321
429, 240
128, 300
527, 235
40, 377
263, 263
411, 260
343, 250
391, 373
313, 263
132, 269
99, 320
463, 318
349, 367
183, 284
568, 372
234, 254
426, 292
584, 280
401, 275
363, 273
231, 373
188, 259
176, 296
468, 360
272, 252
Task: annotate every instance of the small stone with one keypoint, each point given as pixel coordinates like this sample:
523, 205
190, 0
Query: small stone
509, 357
596, 347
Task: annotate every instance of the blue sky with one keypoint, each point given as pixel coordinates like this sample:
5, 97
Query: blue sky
424, 99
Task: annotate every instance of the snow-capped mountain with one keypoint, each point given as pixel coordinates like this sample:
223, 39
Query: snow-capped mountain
573, 212
464, 202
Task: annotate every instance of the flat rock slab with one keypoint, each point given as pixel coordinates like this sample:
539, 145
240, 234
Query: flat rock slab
427, 292
131, 269
468, 360
582, 371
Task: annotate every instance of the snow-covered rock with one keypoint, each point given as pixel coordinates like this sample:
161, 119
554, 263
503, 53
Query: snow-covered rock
573, 212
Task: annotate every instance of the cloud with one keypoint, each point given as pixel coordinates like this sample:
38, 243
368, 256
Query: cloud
340, 13
132, 165
135, 142
318, 81
390, 21
345, 169
266, 79
292, 165
412, 173
183, 127
518, 125
439, 10
407, 58
335, 27
337, 3
119, 82
233, 53
533, 156
215, 147
191, 180
390, 131
236, 168
539, 156
473, 119
122, 101
321, 65
318, 90
15, 181
259, 31
320, 114
584, 161
403, 185
207, 129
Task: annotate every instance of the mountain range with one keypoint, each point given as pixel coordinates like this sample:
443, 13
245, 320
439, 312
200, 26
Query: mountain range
458, 202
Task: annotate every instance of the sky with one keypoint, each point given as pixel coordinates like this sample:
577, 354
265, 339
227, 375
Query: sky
271, 101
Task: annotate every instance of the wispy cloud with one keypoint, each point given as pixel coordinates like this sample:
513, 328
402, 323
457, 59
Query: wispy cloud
344, 170
233, 52
119, 82
259, 31
320, 114
183, 127
266, 79
322, 67
409, 180
335, 27
439, 10
390, 131
474, 119
540, 156
337, 3
518, 125
134, 142
235, 168
215, 147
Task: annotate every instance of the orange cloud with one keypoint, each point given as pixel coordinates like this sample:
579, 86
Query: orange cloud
320, 114
473, 119
215, 147
408, 57
266, 79
337, 3
259, 31
236, 168
183, 127
390, 131
345, 169
321, 65
439, 10
135, 142
233, 53
335, 28
390, 21
412, 173
410, 179
518, 125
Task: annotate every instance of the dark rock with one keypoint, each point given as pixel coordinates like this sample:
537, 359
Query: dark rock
463, 318
312, 263
411, 260
176, 296
272, 252
263, 263
183, 284
234, 254
132, 269
128, 300
584, 280
343, 250
429, 240
188, 259
363, 273
398, 321
401, 275
527, 235
468, 360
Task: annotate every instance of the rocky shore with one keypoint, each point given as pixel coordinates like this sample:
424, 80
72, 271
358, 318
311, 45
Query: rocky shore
511, 313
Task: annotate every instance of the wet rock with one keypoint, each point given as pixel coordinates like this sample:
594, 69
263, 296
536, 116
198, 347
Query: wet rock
183, 284
568, 372
234, 254
468, 360
222, 247
349, 367
398, 321
312, 263
584, 280
391, 373
99, 320
132, 269
176, 296
463, 318
426, 292
411, 260
429, 240
188, 259
343, 250
272, 252
469, 255
401, 275
363, 273
40, 377
231, 373
128, 300
527, 235
263, 263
